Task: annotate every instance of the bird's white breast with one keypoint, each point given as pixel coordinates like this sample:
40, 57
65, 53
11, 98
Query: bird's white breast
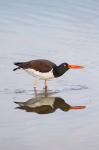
43, 102
40, 75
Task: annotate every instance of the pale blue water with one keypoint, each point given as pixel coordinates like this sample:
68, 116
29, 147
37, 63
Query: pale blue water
61, 31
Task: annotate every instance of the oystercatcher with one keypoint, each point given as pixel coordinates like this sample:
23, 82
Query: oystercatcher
45, 105
44, 69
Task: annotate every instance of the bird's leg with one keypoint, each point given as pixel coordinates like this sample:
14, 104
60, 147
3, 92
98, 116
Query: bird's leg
45, 84
35, 84
35, 88
45, 93
45, 87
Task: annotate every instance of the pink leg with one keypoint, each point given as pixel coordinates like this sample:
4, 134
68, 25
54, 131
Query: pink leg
35, 84
45, 84
35, 88
45, 87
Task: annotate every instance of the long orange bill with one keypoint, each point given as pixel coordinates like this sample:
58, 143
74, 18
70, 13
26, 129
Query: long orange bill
75, 67
77, 107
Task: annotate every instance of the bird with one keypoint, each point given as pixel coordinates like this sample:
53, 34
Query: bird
43, 69
46, 105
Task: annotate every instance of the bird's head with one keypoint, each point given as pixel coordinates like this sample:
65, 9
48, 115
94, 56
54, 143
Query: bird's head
71, 66
62, 68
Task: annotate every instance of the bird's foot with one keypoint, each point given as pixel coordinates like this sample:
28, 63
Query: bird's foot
45, 90
35, 91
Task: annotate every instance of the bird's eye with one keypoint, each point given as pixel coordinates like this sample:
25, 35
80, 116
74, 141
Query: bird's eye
66, 65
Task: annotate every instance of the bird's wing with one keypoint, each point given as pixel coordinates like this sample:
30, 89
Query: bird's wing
39, 65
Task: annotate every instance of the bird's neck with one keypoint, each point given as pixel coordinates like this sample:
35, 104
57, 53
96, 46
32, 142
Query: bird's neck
59, 70
60, 103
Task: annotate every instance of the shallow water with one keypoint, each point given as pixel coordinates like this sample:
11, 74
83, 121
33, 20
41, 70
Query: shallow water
61, 31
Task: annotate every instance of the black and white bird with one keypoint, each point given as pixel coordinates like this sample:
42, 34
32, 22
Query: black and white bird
44, 69
45, 105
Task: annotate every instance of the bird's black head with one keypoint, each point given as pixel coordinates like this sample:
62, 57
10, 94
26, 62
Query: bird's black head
62, 68
66, 66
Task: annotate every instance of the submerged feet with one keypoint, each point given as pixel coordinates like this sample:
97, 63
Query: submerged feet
45, 84
45, 87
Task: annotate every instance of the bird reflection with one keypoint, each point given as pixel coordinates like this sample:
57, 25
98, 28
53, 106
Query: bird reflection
46, 105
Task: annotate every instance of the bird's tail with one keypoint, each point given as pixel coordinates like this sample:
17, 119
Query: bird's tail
19, 103
17, 64
16, 68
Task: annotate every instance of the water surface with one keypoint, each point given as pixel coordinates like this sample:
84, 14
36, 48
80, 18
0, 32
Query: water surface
61, 31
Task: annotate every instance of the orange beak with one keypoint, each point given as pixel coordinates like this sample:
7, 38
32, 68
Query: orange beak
75, 67
77, 107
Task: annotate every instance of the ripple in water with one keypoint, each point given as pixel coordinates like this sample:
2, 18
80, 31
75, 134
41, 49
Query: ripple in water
75, 88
